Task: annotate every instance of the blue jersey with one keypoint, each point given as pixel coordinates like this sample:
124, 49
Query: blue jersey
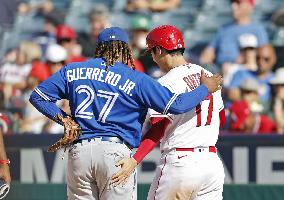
226, 42
109, 102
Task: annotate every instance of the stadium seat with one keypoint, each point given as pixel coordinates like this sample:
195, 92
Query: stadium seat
217, 6
62, 4
29, 23
210, 21
181, 20
194, 37
79, 22
120, 19
189, 6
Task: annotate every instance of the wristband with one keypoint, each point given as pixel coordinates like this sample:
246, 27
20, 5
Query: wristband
5, 161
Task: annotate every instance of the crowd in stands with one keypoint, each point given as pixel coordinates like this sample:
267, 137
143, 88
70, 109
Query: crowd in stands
241, 50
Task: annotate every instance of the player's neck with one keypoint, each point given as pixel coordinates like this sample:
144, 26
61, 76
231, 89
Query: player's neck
175, 62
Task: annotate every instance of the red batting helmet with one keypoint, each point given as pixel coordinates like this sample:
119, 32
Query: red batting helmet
65, 31
166, 36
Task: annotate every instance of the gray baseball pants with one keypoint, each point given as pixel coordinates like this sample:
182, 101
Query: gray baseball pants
90, 168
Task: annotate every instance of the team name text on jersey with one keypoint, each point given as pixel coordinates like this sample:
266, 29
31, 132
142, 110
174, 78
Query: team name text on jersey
100, 75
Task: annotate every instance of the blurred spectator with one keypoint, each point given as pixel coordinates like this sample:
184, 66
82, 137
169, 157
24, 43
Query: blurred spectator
278, 17
47, 36
8, 11
249, 93
140, 25
56, 57
33, 121
278, 99
99, 20
10, 56
67, 37
266, 59
42, 7
248, 45
14, 78
13, 75
225, 47
243, 120
151, 5
248, 51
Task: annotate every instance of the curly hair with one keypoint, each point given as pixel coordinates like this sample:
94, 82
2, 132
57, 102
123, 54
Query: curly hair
111, 51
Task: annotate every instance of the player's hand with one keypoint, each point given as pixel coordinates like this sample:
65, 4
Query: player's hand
71, 133
127, 167
213, 83
5, 173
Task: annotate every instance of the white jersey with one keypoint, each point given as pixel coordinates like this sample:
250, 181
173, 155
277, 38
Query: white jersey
198, 127
13, 74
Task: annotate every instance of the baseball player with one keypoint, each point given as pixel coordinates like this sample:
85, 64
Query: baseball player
189, 166
108, 100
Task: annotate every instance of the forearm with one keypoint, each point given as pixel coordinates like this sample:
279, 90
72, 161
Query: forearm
151, 139
187, 101
48, 108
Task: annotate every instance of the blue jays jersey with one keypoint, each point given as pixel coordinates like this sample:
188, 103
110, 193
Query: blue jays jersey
107, 102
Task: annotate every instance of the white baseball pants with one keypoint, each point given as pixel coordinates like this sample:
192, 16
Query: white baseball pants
185, 175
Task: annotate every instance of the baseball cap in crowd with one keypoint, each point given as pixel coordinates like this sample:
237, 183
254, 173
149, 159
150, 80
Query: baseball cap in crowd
278, 79
40, 71
250, 84
65, 32
140, 23
248, 41
56, 53
251, 2
113, 33
239, 112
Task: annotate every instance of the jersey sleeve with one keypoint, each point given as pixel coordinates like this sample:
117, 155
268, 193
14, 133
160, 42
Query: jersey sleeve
153, 95
54, 88
155, 114
44, 97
